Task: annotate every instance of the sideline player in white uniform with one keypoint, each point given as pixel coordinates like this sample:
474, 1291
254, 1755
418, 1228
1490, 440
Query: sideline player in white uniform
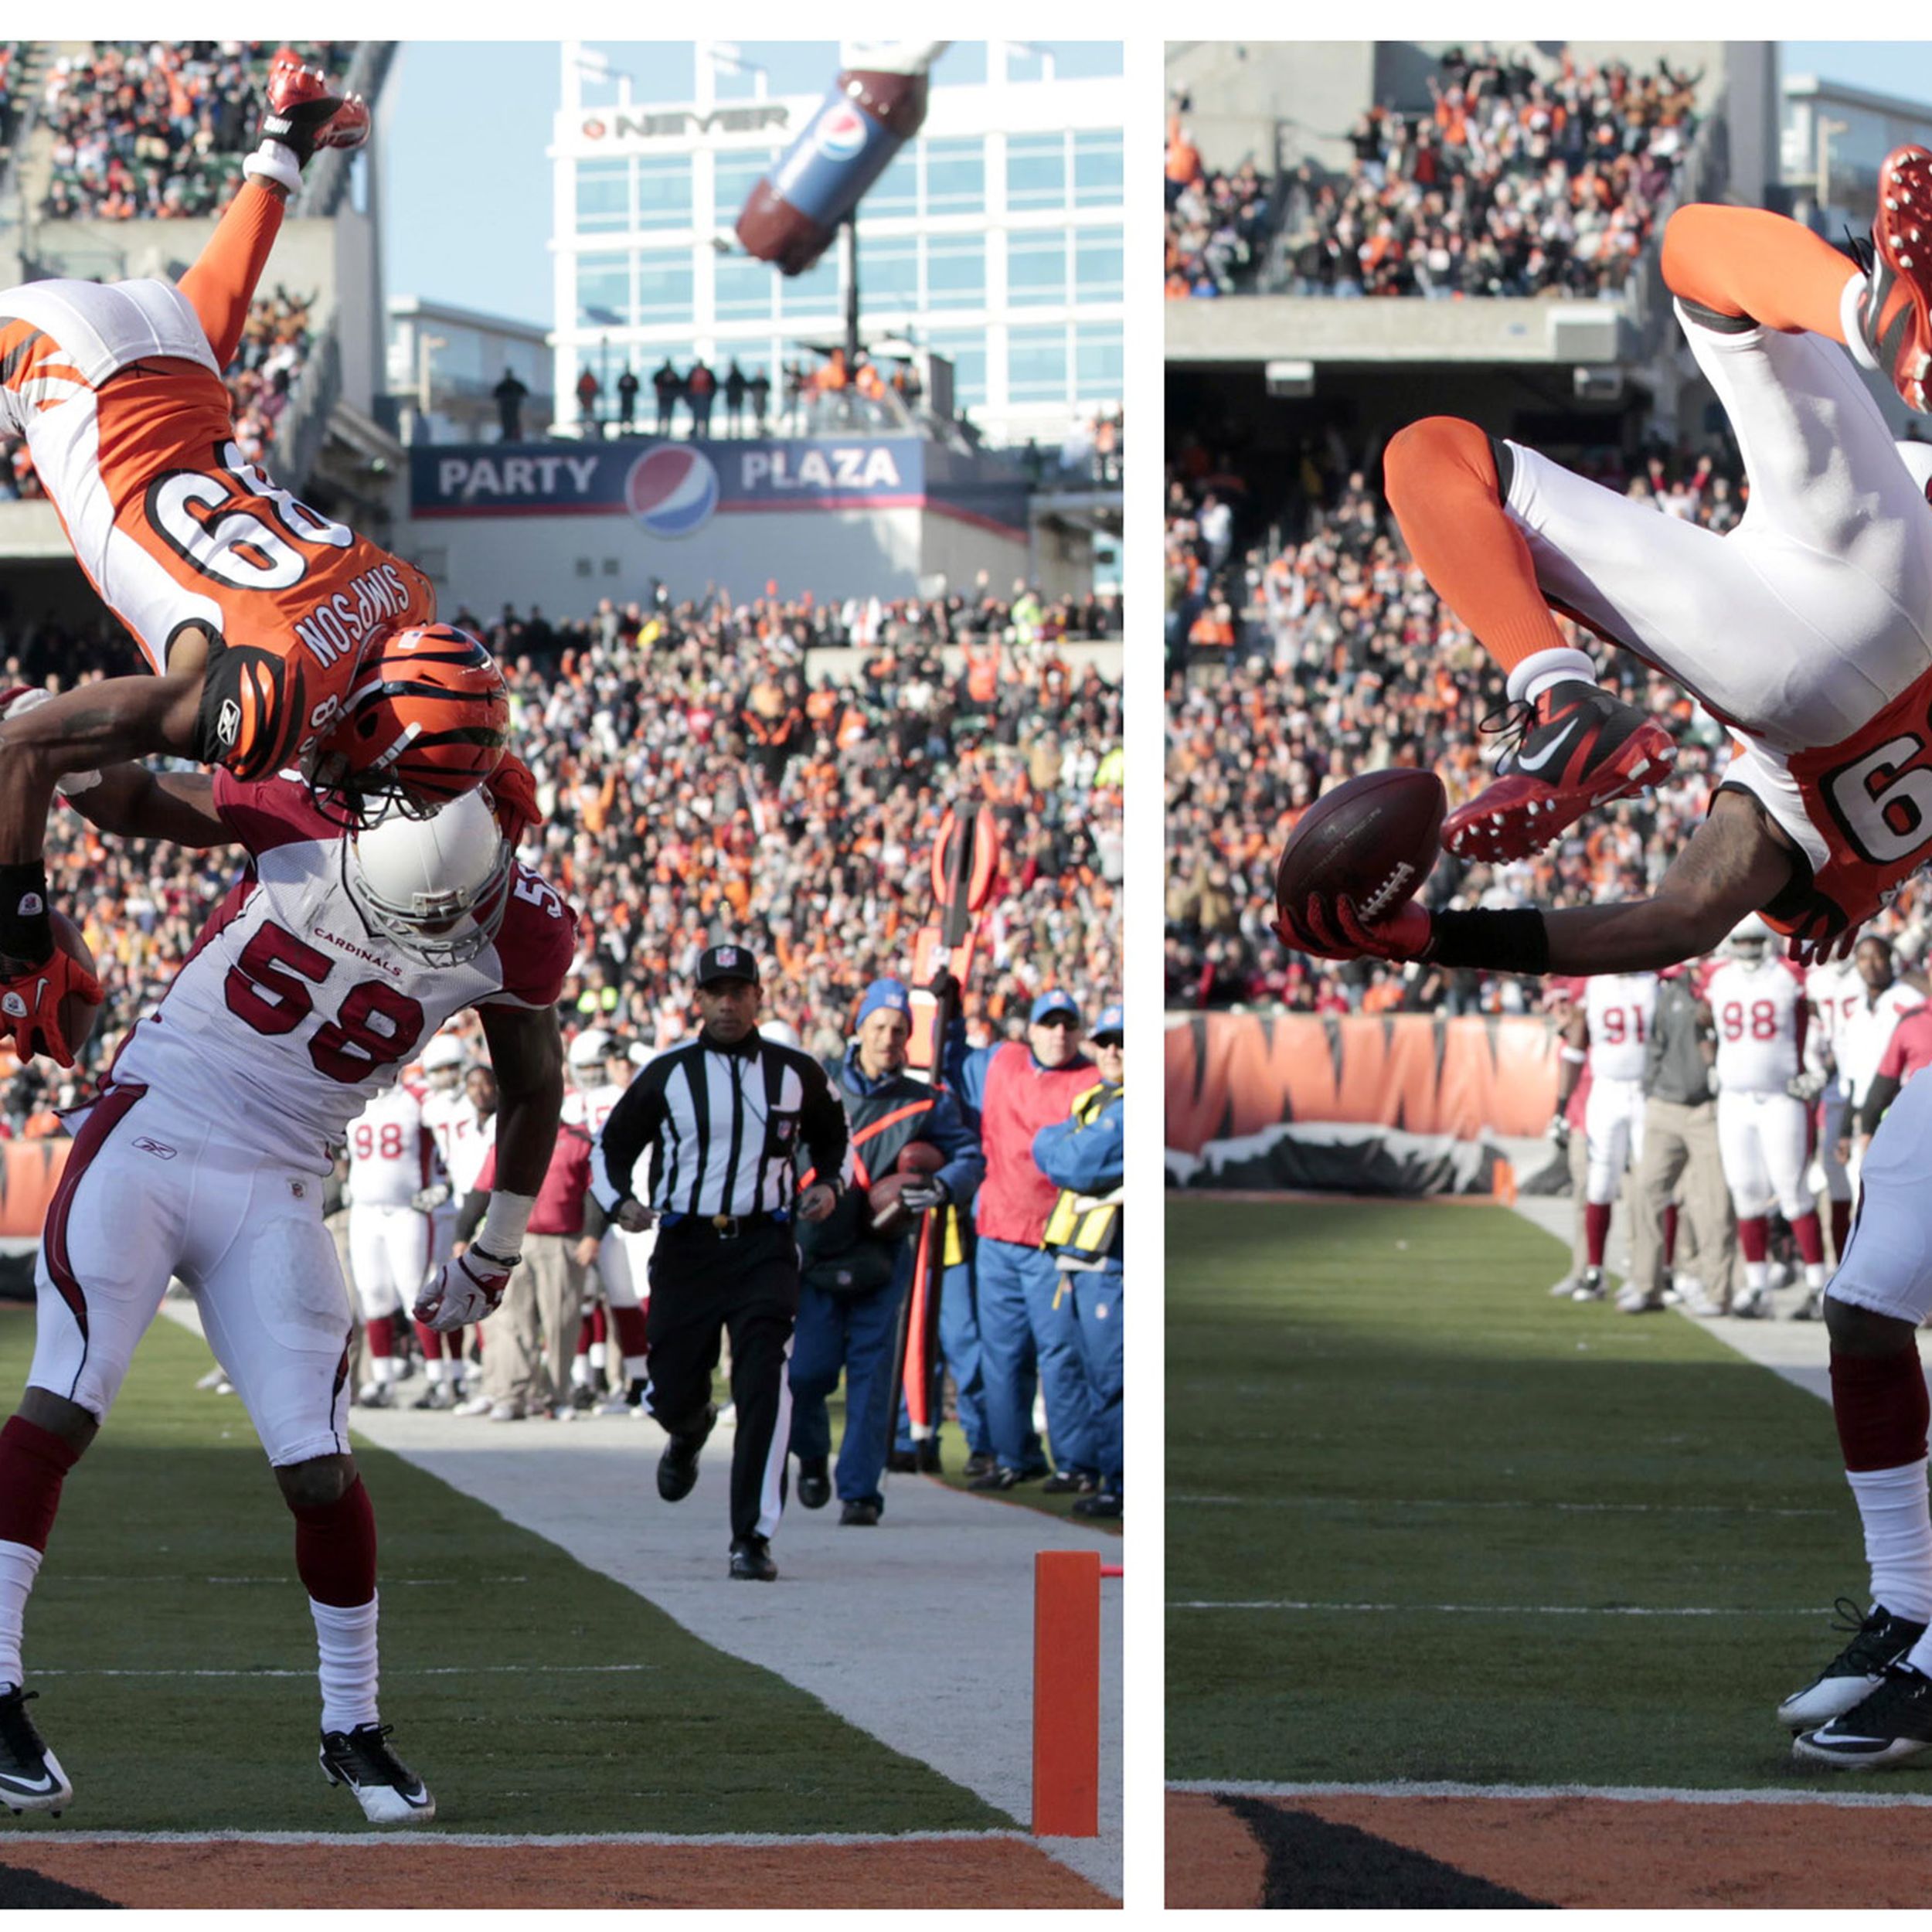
450, 1118
313, 981
1884, 999
594, 1057
1612, 1023
1835, 992
1758, 1011
393, 1167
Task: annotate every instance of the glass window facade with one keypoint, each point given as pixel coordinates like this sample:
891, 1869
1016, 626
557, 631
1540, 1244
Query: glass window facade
1036, 172
1037, 364
966, 349
664, 191
737, 174
603, 195
956, 176
895, 193
1098, 180
1100, 362
664, 288
956, 271
604, 292
746, 290
1099, 265
888, 273
815, 293
1036, 267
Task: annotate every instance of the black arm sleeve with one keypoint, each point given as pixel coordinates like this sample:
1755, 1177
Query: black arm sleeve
1879, 1096
632, 1128
822, 1116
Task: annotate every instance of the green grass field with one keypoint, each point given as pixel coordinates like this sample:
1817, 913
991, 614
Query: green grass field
1377, 1416
172, 1647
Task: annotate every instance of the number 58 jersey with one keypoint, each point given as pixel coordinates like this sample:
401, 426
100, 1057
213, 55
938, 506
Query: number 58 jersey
291, 1011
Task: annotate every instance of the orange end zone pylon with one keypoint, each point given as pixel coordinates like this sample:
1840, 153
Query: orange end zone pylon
1067, 1693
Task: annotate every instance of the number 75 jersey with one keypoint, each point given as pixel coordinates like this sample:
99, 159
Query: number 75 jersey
291, 1011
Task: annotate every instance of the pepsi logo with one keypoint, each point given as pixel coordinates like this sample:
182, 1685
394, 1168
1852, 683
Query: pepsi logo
594, 130
840, 132
671, 490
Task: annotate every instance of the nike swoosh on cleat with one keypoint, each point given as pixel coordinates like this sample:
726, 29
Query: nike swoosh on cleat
47, 1783
1527, 764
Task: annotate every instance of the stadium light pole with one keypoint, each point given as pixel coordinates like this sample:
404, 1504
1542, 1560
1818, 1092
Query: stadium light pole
425, 347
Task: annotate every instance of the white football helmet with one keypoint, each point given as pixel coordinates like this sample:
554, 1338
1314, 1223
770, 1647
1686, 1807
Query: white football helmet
780, 1032
436, 888
587, 1049
1751, 939
444, 1063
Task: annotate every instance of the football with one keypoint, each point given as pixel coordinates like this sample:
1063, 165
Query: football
1372, 839
888, 1214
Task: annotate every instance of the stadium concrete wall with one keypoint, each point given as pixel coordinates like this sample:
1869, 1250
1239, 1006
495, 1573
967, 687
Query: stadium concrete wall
1261, 328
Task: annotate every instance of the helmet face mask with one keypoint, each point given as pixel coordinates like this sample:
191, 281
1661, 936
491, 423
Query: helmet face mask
436, 886
1750, 941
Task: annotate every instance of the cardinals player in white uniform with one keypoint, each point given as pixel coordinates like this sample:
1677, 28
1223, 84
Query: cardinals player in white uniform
1612, 1023
331, 959
623, 1258
394, 1176
1758, 1011
1834, 992
451, 1121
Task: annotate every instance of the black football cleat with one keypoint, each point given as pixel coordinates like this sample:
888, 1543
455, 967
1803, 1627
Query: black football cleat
1069, 1482
31, 1779
1103, 1504
678, 1467
814, 1483
1879, 1641
1576, 747
305, 113
1890, 1725
387, 1790
751, 1561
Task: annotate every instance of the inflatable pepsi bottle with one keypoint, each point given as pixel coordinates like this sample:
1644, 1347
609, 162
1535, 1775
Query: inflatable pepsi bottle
876, 105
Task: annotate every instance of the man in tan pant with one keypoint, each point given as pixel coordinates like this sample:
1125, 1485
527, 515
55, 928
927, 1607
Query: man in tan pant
528, 1342
1681, 1161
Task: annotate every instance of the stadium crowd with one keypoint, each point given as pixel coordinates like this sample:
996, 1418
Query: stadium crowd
702, 772
1525, 176
1294, 663
157, 130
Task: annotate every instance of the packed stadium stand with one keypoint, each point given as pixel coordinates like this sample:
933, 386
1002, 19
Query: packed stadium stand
1303, 644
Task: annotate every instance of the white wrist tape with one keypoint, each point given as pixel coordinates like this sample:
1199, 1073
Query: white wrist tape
504, 1221
272, 161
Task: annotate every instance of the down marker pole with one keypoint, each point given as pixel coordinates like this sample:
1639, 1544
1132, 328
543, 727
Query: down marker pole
1067, 1693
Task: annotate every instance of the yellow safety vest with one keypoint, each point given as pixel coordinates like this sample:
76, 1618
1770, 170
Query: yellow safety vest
1081, 1225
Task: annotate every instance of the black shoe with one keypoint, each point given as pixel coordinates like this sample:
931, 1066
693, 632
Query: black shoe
1878, 1642
903, 1462
678, 1467
863, 1514
977, 1465
815, 1485
387, 1790
582, 1397
1000, 1476
1068, 1482
31, 1779
926, 1459
1894, 1723
1103, 1502
751, 1560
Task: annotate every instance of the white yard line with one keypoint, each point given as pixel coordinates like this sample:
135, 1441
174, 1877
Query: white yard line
1612, 1793
920, 1632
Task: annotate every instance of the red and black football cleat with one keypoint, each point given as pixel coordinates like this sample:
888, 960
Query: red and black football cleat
1577, 747
1895, 310
305, 112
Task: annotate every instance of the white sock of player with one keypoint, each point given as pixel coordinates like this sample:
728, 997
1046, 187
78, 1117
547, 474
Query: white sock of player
599, 1355
274, 162
1815, 1274
1756, 1273
345, 1648
1537, 672
19, 1565
1896, 1514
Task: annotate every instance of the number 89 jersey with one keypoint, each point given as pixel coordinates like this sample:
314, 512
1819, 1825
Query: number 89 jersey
291, 1012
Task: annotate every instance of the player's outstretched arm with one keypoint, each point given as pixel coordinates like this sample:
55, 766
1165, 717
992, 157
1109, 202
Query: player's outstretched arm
133, 802
526, 1052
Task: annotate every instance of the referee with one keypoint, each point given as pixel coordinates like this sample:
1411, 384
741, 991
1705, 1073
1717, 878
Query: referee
724, 1117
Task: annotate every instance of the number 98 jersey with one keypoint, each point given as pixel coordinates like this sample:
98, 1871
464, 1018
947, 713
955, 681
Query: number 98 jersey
292, 1012
1760, 1014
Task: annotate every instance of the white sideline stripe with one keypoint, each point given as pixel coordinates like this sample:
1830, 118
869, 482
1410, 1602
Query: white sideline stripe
1447, 1502
1495, 1610
1612, 1793
388, 1582
485, 1841
388, 1670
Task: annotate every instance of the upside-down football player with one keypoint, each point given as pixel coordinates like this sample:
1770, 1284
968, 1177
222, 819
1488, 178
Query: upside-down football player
276, 638
1807, 631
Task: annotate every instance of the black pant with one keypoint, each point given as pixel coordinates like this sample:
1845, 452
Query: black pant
701, 1286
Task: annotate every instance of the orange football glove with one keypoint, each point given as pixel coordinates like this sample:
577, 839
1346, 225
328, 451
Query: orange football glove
512, 792
30, 1006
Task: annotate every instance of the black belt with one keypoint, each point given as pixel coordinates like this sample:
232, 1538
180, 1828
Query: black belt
726, 1227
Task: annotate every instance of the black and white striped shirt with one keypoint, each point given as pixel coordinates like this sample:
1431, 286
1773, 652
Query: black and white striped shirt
724, 1125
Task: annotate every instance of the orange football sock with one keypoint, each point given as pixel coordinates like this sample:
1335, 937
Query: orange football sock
1746, 261
1442, 483
222, 283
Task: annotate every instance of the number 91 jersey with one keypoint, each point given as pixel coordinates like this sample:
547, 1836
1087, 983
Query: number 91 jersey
291, 1012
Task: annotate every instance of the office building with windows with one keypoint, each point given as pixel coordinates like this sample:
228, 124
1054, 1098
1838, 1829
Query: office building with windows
994, 238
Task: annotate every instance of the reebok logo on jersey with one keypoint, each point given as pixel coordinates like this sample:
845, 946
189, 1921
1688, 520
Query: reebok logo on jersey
159, 1149
228, 721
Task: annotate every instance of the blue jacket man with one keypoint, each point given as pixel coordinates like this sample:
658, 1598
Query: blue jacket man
853, 1280
1085, 1156
1010, 1092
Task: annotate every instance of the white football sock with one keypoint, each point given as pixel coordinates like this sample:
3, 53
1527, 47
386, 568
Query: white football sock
1756, 1273
1541, 669
19, 1565
274, 161
346, 1645
1897, 1513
